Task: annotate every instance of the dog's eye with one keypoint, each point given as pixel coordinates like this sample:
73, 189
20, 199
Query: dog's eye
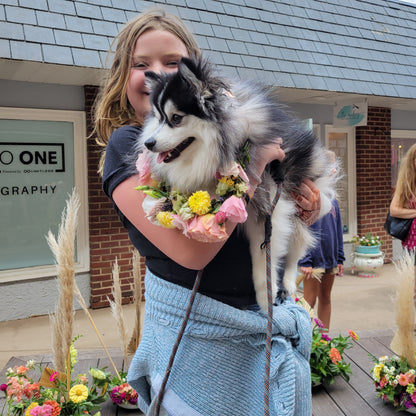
176, 119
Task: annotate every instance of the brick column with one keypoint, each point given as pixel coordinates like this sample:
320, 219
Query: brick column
373, 148
108, 238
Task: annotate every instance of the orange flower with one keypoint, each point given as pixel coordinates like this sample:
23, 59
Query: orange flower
410, 377
56, 409
334, 355
353, 335
403, 379
21, 370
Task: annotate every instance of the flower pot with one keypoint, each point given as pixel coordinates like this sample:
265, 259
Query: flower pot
367, 249
128, 406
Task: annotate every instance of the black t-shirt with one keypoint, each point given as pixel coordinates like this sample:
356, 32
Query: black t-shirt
227, 278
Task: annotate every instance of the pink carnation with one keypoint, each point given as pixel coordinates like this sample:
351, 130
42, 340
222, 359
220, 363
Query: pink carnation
204, 228
143, 167
234, 209
45, 410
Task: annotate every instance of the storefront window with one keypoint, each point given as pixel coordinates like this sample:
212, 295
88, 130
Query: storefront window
40, 153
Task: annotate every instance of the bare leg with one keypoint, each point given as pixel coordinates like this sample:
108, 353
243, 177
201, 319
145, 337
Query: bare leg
324, 299
311, 290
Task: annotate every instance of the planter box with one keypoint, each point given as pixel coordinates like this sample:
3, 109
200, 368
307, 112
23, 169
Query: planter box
367, 249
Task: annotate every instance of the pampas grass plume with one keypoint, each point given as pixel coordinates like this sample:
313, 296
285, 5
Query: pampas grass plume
64, 251
403, 342
117, 310
138, 293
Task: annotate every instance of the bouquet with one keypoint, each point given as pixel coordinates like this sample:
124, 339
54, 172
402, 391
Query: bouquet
367, 240
53, 395
394, 380
122, 393
200, 216
326, 359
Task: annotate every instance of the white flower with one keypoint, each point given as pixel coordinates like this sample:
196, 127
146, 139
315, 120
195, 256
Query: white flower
152, 206
31, 364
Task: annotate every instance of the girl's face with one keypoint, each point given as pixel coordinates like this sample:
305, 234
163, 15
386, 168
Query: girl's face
157, 51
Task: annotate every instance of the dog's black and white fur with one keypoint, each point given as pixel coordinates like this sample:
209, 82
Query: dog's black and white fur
198, 124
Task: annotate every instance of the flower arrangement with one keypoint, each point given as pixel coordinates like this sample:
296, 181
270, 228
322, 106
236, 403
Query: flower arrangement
52, 395
367, 240
326, 359
123, 394
394, 380
200, 215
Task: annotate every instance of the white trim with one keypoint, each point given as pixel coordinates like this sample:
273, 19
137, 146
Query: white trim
81, 172
349, 170
403, 134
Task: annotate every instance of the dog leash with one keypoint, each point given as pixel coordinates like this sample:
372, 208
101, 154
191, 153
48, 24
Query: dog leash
269, 332
161, 393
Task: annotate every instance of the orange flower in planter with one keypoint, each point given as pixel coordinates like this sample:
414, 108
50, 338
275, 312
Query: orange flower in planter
334, 355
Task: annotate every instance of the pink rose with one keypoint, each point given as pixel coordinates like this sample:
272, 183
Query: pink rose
3, 387
234, 209
205, 229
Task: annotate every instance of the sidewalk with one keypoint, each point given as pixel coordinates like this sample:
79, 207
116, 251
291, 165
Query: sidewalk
360, 304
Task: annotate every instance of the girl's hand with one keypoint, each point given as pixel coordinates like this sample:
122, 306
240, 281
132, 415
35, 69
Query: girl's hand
340, 270
266, 155
307, 272
308, 200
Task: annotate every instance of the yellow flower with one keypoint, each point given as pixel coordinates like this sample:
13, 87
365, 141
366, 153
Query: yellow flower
377, 371
200, 202
165, 218
31, 406
78, 393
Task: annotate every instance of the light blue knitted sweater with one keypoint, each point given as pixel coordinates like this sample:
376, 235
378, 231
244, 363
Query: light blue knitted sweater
219, 366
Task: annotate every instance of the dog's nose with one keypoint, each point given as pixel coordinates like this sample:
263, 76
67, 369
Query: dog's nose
150, 143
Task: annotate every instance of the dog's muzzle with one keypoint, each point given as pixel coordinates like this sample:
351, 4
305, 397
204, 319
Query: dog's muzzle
172, 154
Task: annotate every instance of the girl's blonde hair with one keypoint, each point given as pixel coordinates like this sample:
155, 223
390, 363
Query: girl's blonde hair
112, 108
406, 180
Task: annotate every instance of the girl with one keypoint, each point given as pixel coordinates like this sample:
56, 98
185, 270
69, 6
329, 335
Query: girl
324, 261
403, 204
219, 366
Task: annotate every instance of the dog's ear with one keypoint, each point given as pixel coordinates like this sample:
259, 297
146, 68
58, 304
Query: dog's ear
195, 72
152, 80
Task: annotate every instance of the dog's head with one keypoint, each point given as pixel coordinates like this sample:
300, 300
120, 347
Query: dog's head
182, 130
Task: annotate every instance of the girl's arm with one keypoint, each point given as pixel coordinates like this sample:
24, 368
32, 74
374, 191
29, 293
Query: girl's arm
187, 252
397, 211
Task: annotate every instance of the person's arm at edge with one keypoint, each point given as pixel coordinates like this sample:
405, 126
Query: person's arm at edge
399, 212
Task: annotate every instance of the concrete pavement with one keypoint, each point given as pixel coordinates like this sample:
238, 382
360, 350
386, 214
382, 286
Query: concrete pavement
360, 304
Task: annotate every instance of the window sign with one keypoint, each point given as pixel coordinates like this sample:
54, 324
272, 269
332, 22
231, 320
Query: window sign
37, 175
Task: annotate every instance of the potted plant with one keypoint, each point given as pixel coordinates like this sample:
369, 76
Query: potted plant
326, 358
367, 244
56, 393
394, 380
122, 394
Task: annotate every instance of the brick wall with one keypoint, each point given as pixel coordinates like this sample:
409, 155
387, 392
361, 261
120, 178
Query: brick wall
373, 154
108, 238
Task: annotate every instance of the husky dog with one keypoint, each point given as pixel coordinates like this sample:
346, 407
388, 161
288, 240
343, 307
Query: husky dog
198, 125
